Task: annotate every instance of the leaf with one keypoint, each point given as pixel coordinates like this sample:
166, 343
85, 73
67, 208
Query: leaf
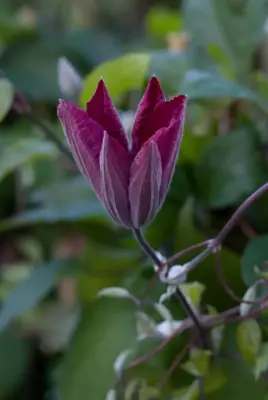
6, 97
146, 327
199, 362
249, 338
261, 364
121, 361
15, 358
163, 311
193, 291
255, 253
169, 67
214, 378
19, 151
223, 61
250, 295
32, 67
241, 26
196, 15
147, 392
188, 393
201, 85
94, 45
26, 295
107, 327
236, 27
230, 168
160, 21
240, 383
111, 395
132, 69
115, 292
66, 201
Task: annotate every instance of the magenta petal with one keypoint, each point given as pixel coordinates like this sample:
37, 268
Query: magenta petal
101, 109
165, 112
114, 167
142, 128
144, 187
168, 142
84, 137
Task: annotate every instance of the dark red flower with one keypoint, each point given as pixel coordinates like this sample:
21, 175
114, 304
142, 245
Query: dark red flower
131, 179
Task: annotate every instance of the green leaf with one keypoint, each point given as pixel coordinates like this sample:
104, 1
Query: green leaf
147, 392
199, 362
223, 60
146, 327
32, 67
236, 27
193, 291
19, 151
250, 295
188, 393
196, 14
161, 20
132, 69
230, 168
261, 364
107, 327
240, 383
214, 378
29, 292
115, 292
94, 45
240, 24
6, 97
66, 201
249, 338
192, 146
255, 253
201, 85
15, 359
169, 67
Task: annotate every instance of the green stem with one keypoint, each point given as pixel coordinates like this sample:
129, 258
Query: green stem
150, 252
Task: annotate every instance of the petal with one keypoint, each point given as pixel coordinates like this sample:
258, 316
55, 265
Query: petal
144, 187
101, 109
84, 137
142, 129
168, 142
165, 112
114, 169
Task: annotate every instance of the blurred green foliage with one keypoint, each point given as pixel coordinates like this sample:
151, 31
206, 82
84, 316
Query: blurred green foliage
58, 248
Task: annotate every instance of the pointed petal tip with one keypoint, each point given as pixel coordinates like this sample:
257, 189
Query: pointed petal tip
154, 81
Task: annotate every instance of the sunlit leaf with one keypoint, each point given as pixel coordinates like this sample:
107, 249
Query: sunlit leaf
249, 339
132, 69
6, 97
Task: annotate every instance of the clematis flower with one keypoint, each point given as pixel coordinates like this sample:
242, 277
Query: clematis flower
130, 179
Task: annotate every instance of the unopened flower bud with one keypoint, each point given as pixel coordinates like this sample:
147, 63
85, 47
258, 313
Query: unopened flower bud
176, 275
167, 328
69, 80
130, 179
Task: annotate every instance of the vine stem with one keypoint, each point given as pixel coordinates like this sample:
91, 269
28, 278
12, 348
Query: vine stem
218, 240
150, 252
